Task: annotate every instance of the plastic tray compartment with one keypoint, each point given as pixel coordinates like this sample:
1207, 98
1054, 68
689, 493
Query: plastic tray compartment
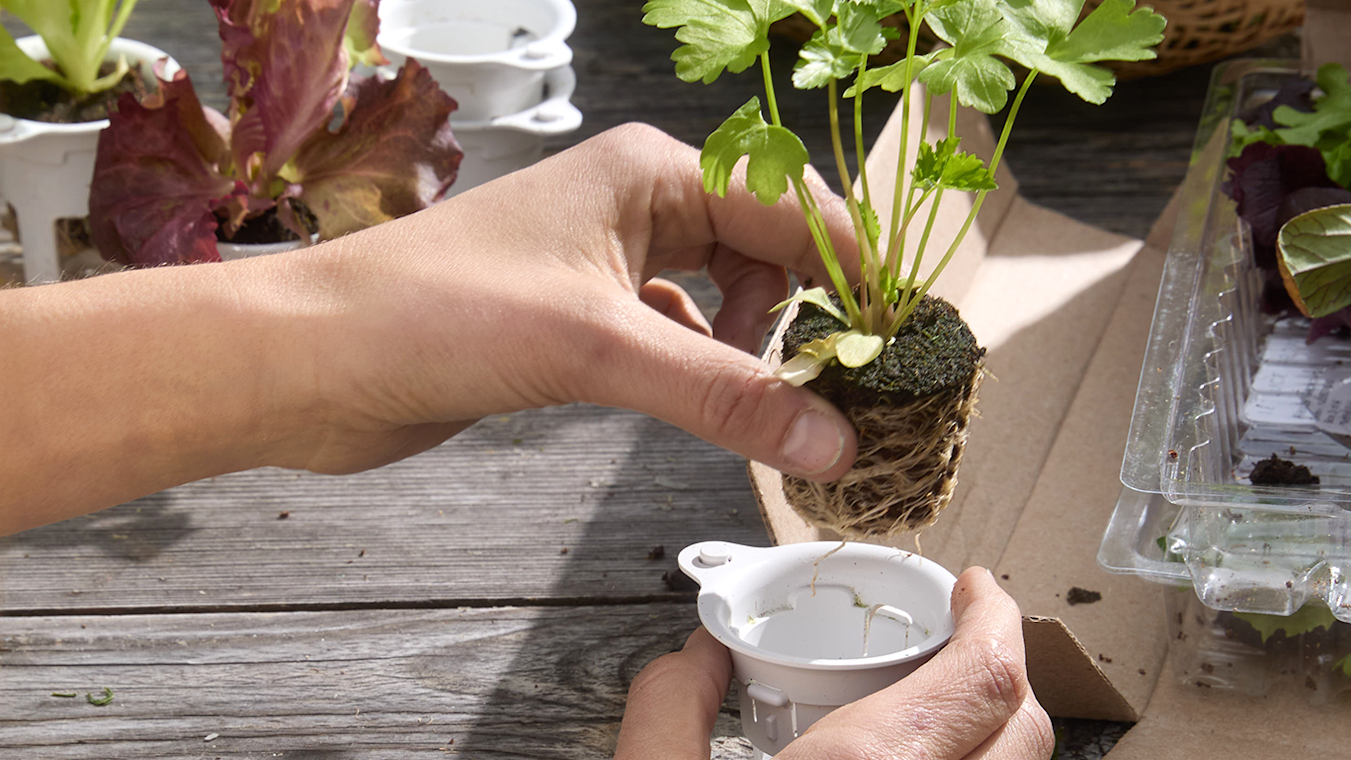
1224, 386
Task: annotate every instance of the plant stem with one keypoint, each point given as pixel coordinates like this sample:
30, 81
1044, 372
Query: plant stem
859, 153
975, 207
867, 265
928, 225
911, 207
770, 100
913, 16
817, 224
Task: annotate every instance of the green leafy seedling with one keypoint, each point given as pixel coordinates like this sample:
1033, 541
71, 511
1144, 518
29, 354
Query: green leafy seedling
77, 34
983, 38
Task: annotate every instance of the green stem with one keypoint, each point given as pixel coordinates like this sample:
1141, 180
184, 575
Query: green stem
933, 214
817, 224
859, 153
911, 205
770, 100
914, 16
975, 207
867, 265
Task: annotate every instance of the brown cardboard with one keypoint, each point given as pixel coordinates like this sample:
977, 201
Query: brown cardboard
1065, 310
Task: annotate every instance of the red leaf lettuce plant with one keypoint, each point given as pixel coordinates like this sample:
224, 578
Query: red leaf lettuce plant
327, 153
983, 38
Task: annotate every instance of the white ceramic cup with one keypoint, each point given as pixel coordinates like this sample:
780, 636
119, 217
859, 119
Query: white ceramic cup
490, 56
796, 619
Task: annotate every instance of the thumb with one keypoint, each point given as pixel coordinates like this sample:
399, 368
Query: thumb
673, 703
721, 394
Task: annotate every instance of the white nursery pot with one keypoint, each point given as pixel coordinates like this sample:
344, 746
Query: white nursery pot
490, 56
498, 146
45, 169
234, 251
795, 619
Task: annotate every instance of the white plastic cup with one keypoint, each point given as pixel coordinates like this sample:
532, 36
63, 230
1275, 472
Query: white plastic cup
795, 619
490, 56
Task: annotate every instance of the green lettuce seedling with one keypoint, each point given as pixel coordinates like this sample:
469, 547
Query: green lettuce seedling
983, 37
77, 34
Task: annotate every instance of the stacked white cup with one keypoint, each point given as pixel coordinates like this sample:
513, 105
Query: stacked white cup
506, 63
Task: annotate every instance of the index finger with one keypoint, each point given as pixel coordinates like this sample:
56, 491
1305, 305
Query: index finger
673, 703
659, 184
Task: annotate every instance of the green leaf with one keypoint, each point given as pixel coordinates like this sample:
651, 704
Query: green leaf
718, 34
818, 298
1306, 619
1044, 37
855, 349
1315, 259
890, 78
871, 225
776, 154
976, 30
836, 50
1338, 160
817, 11
942, 166
802, 368
1332, 111
16, 66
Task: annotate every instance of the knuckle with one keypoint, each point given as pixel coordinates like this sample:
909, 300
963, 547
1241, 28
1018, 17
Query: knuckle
1001, 674
732, 400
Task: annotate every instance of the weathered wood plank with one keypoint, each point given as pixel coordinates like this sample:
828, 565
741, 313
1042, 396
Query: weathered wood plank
501, 683
556, 504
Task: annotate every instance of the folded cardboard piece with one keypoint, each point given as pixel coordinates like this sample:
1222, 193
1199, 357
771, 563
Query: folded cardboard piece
1064, 310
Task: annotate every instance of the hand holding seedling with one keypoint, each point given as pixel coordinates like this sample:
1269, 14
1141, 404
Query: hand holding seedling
972, 700
531, 291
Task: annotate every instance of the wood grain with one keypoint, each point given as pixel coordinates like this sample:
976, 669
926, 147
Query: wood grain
500, 683
551, 506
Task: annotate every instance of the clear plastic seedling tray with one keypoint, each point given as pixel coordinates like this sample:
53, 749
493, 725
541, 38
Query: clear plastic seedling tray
1224, 386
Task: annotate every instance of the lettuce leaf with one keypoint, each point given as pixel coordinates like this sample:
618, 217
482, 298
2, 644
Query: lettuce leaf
158, 182
393, 155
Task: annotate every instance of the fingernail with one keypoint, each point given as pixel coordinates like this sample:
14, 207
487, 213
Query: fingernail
814, 443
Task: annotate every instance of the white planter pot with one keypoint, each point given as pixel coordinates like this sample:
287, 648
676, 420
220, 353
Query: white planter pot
491, 57
815, 626
501, 145
45, 169
235, 251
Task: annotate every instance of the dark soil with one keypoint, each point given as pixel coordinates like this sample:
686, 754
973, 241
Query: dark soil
266, 228
1078, 595
1278, 472
44, 101
933, 352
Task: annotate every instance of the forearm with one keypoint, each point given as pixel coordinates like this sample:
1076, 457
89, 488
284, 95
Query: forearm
126, 384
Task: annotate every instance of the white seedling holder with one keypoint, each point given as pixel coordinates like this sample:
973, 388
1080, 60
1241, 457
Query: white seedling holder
45, 169
490, 56
503, 144
795, 621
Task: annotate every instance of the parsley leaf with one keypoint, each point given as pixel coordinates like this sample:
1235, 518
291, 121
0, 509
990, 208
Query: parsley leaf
718, 34
892, 78
836, 50
776, 154
1332, 111
942, 166
976, 31
1045, 38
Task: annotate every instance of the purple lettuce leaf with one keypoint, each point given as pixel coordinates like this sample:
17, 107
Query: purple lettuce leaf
1262, 176
286, 67
1322, 326
1295, 92
393, 154
158, 179
362, 28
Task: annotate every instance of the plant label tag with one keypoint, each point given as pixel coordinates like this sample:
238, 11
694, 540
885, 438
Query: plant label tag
1330, 401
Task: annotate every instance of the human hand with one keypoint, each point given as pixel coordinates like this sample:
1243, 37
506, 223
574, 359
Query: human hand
534, 290
538, 289
972, 700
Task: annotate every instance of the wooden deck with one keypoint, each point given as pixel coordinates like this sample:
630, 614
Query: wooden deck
492, 597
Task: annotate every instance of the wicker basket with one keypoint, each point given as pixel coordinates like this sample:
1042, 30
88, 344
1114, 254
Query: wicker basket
1199, 31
